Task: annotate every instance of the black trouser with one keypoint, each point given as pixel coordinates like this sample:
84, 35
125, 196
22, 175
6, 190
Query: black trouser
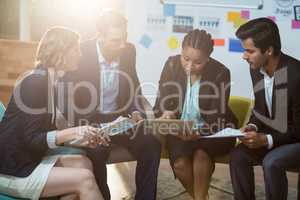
242, 162
146, 149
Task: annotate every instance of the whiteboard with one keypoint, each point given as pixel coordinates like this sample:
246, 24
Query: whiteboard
253, 4
150, 61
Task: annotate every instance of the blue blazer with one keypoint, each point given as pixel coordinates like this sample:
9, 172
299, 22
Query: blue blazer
23, 136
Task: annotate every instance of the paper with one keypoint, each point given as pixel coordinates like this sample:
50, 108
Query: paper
225, 133
295, 24
297, 12
183, 24
146, 41
219, 42
273, 18
232, 16
245, 14
235, 46
173, 43
119, 126
169, 10
239, 22
210, 24
156, 23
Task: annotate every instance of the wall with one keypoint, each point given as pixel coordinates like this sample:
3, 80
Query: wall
15, 58
150, 60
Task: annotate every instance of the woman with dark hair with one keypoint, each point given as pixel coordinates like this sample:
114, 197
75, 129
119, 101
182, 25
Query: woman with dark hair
29, 130
194, 86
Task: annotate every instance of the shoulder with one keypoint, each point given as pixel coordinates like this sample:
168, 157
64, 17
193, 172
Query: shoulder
173, 63
129, 50
292, 63
32, 89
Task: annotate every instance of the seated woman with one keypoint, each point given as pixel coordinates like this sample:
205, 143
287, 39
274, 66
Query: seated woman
28, 130
194, 86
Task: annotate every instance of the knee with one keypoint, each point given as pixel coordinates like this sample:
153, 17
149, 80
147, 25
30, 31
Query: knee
84, 162
153, 147
238, 157
201, 156
180, 165
270, 163
86, 180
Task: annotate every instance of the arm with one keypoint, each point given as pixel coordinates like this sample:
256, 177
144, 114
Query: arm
33, 95
164, 100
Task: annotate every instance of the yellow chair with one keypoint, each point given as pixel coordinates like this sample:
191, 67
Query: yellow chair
241, 107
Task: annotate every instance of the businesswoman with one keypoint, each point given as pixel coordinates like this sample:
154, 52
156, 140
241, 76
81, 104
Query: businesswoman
28, 130
194, 86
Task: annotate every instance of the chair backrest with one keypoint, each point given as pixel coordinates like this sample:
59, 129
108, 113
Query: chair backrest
2, 110
241, 107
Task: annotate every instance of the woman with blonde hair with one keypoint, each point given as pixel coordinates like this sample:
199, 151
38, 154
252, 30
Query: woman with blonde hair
29, 132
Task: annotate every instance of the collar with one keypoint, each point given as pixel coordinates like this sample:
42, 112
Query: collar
281, 64
102, 60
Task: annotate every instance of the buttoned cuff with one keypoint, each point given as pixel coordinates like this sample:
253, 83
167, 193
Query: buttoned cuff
51, 139
270, 141
253, 126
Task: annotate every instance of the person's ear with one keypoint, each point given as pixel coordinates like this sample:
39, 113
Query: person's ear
270, 51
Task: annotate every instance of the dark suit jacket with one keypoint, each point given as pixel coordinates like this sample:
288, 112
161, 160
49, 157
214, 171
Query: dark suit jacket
284, 124
89, 71
214, 73
23, 136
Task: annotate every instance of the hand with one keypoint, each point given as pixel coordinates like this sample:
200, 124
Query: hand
168, 115
89, 134
254, 140
136, 116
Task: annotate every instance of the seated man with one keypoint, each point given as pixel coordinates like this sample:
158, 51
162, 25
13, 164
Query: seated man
107, 87
273, 134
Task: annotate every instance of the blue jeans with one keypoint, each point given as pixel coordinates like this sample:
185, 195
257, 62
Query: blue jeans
275, 164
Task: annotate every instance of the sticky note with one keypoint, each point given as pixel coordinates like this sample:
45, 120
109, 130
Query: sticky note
232, 16
295, 24
173, 43
146, 41
169, 10
219, 42
273, 18
245, 14
235, 45
239, 22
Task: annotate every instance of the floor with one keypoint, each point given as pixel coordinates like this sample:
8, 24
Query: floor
122, 185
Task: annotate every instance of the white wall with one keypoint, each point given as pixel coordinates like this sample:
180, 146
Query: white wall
150, 61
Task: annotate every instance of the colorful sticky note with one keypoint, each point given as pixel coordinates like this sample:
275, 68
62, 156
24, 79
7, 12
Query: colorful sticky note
245, 14
295, 24
146, 41
239, 22
273, 18
235, 45
173, 43
232, 16
219, 42
169, 10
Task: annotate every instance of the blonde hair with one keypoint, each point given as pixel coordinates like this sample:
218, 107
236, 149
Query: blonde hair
54, 45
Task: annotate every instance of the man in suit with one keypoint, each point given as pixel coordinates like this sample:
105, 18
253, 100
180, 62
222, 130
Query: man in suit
272, 135
107, 87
